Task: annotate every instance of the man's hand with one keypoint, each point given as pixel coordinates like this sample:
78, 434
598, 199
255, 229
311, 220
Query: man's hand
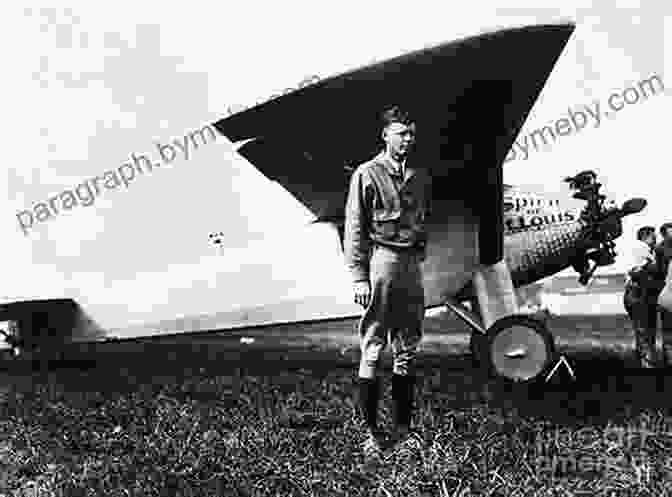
362, 293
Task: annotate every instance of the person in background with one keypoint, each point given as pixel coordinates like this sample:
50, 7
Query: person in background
663, 253
641, 294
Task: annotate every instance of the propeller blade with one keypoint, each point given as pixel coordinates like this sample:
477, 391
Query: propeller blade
633, 206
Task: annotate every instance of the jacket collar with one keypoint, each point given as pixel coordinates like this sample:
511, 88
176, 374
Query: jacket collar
391, 166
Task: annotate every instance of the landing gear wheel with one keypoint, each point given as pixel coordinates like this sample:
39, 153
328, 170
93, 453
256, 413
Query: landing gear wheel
518, 349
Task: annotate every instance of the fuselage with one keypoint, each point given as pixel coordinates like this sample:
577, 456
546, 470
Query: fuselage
541, 234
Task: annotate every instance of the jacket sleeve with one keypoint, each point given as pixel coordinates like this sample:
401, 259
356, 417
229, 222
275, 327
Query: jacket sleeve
656, 271
660, 262
356, 237
646, 274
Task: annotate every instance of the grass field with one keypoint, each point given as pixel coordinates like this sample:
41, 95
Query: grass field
276, 417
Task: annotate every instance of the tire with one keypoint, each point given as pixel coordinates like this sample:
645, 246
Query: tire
519, 349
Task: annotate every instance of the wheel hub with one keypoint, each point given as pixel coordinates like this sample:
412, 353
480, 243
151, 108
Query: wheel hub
518, 353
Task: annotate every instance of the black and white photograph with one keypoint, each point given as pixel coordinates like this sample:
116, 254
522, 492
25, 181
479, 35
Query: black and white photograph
381, 249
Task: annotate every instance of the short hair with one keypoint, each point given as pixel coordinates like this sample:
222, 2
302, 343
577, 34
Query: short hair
395, 115
664, 228
645, 231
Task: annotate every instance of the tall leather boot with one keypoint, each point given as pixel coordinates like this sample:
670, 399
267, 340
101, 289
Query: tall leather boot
369, 395
408, 445
403, 387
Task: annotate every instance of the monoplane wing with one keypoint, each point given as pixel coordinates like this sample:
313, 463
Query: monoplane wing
469, 99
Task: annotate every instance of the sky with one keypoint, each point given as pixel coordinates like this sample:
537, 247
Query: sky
611, 51
90, 84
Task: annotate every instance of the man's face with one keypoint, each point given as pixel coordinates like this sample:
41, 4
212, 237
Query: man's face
667, 236
399, 138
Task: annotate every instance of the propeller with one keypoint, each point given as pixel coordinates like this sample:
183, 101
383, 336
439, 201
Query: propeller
605, 224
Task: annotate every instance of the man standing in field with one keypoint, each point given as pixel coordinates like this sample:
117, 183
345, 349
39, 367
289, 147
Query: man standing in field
641, 294
385, 244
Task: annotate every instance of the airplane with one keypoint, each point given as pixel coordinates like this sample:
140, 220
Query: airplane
468, 116
485, 237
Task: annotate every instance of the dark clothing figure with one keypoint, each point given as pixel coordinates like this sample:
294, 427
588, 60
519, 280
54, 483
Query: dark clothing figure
640, 301
643, 312
663, 256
